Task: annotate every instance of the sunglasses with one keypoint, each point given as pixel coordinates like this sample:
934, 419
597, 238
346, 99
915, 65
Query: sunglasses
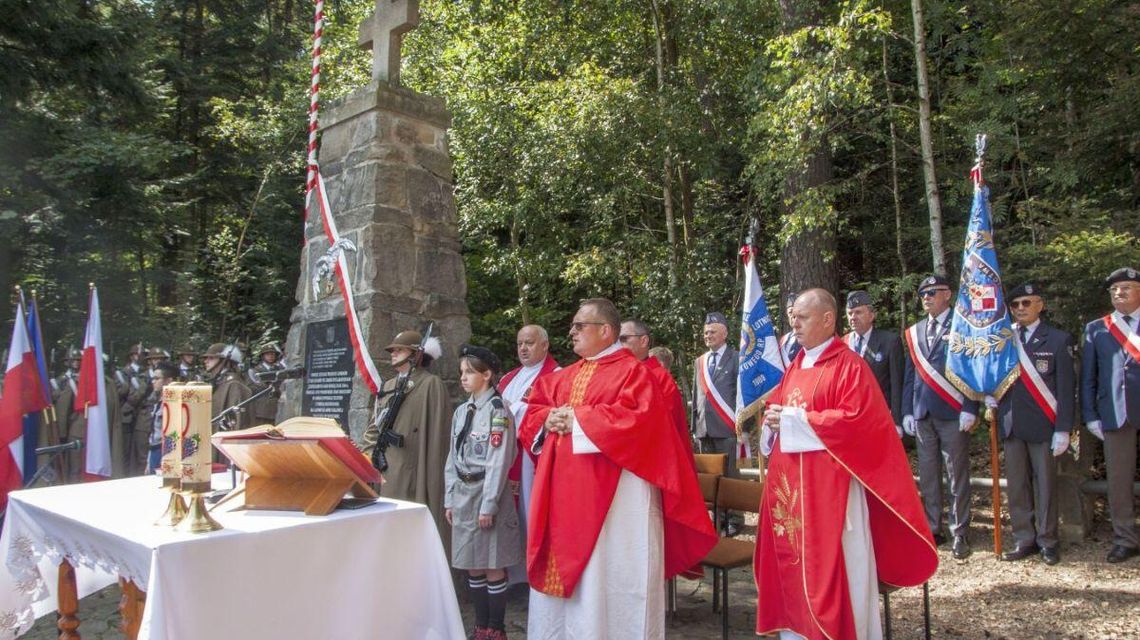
579, 326
930, 293
1017, 304
626, 337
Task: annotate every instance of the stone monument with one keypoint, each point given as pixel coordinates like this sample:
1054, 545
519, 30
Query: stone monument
388, 178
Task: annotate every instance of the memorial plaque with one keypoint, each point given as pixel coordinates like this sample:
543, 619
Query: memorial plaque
329, 370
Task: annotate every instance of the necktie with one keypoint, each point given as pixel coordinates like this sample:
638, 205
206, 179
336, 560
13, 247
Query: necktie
712, 363
466, 426
931, 328
859, 345
1024, 335
1128, 322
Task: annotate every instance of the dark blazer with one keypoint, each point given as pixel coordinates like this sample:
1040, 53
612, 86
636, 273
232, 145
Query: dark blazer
919, 400
789, 347
884, 354
1110, 379
1050, 351
724, 379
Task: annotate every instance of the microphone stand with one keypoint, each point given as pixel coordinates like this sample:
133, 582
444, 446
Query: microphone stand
54, 451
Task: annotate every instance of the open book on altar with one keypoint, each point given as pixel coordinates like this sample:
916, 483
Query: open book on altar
303, 464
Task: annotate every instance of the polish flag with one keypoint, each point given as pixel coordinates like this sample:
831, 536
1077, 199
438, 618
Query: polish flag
91, 397
23, 394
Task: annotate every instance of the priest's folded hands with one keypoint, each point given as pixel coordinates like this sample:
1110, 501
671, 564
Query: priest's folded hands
772, 416
559, 420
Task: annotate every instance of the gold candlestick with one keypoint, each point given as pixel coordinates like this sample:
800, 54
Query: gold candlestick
194, 453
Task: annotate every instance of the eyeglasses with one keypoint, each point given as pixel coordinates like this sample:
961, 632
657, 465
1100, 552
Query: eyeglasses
577, 327
930, 293
1017, 304
630, 336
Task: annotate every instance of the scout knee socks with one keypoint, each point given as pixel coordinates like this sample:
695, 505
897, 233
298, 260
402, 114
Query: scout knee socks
478, 589
497, 604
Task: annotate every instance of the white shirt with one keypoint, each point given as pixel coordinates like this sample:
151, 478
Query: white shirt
1027, 331
866, 337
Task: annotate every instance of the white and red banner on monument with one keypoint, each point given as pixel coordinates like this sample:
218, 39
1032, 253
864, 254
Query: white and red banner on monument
931, 376
364, 363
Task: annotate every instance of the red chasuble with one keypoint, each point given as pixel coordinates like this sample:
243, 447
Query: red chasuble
617, 405
800, 575
670, 395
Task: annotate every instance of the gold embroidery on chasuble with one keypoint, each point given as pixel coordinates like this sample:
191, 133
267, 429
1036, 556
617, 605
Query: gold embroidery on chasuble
785, 519
552, 586
578, 388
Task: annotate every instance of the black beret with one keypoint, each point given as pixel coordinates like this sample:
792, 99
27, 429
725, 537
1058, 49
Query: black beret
484, 354
1123, 274
716, 317
858, 299
932, 281
1027, 289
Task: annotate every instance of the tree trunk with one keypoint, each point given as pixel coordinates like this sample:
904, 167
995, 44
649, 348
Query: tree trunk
895, 186
933, 200
520, 278
667, 169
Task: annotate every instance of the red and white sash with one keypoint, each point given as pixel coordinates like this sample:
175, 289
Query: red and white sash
1037, 387
931, 376
1124, 335
726, 411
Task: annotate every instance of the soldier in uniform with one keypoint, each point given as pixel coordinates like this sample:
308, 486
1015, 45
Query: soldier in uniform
155, 355
188, 370
133, 385
264, 409
1110, 401
1036, 415
938, 416
221, 362
415, 468
73, 421
479, 507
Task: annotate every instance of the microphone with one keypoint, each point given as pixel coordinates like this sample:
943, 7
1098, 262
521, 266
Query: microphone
57, 448
280, 374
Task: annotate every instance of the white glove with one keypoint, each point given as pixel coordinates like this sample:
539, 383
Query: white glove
965, 421
1060, 442
908, 425
991, 402
1095, 429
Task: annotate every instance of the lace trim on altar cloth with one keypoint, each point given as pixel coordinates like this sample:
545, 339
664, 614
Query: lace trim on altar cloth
24, 555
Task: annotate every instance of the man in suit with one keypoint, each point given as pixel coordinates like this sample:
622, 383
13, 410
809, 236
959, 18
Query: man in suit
881, 350
1036, 415
789, 346
938, 416
1110, 401
713, 410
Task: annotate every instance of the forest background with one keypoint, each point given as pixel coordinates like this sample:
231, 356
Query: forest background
602, 147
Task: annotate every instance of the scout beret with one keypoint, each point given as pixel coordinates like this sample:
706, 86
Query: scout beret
1123, 274
484, 354
1027, 289
931, 282
858, 299
715, 317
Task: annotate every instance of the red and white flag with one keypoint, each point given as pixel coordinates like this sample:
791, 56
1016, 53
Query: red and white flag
23, 394
91, 397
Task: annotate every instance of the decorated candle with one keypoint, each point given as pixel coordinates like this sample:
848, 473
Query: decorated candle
172, 418
194, 449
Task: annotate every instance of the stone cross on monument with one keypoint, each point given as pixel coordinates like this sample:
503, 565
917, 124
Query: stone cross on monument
383, 33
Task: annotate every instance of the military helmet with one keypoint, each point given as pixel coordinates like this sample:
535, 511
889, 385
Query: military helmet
186, 350
407, 340
157, 353
223, 351
269, 347
73, 354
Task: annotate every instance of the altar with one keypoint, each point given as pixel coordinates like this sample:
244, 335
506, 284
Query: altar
378, 571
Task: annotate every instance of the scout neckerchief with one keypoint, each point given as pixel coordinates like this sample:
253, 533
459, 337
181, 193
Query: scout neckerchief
931, 376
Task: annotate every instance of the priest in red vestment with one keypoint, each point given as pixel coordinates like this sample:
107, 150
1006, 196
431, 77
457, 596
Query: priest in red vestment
840, 511
615, 510
635, 337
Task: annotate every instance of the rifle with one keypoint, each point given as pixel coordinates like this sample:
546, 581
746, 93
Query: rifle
387, 420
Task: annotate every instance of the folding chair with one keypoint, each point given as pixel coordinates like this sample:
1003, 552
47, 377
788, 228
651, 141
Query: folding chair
886, 591
714, 463
729, 553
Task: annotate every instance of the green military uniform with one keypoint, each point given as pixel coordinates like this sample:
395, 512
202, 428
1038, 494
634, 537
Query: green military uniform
264, 409
73, 424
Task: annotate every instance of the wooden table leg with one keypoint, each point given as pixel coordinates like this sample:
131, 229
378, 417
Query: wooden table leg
68, 623
131, 605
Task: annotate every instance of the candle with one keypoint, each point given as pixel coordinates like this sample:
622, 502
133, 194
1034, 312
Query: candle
194, 445
172, 419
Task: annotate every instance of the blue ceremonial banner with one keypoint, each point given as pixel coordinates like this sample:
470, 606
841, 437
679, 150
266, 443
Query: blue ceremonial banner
982, 359
760, 365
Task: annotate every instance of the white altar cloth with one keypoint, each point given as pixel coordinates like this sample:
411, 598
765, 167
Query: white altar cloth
376, 572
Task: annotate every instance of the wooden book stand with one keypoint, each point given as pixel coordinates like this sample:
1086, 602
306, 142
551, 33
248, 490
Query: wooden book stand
303, 464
